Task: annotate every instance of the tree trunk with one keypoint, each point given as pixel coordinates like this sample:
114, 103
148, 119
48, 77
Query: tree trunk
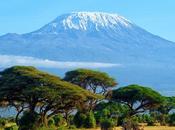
44, 120
16, 118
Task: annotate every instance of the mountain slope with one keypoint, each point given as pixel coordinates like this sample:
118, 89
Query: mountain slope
89, 37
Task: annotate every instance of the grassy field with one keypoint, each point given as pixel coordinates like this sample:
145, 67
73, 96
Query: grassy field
146, 128
160, 128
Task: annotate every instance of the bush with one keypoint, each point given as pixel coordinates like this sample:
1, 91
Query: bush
131, 123
90, 121
29, 121
107, 124
86, 120
11, 128
72, 127
58, 119
79, 119
51, 122
172, 119
3, 122
150, 121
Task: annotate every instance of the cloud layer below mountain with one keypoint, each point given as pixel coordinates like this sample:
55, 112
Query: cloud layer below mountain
11, 60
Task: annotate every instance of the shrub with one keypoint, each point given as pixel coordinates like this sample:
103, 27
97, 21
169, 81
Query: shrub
86, 120
29, 121
90, 121
172, 119
58, 119
72, 127
150, 121
11, 128
79, 119
131, 123
3, 122
51, 122
107, 124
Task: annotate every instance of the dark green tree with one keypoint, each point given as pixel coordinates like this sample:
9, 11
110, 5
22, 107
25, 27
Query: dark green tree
167, 106
172, 119
79, 119
110, 110
29, 121
90, 121
164, 110
137, 98
94, 81
85, 119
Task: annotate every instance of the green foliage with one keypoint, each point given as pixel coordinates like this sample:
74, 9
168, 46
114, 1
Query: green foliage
131, 123
167, 105
51, 122
172, 119
11, 128
134, 95
20, 81
90, 121
29, 121
33, 92
147, 118
79, 119
107, 124
58, 119
84, 120
95, 81
72, 127
112, 110
164, 109
3, 121
21, 85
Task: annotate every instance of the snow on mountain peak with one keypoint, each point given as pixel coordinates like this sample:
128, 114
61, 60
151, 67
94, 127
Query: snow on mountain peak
81, 20
86, 21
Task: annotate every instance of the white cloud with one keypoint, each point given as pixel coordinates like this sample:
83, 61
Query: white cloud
11, 60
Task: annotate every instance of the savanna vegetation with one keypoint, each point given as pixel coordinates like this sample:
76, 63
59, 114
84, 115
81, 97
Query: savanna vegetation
82, 99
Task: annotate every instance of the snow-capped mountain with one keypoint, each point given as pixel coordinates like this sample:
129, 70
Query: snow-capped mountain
85, 21
98, 37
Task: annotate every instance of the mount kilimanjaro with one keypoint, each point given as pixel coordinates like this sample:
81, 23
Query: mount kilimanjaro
100, 37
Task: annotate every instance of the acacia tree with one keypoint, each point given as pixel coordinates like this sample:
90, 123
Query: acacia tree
137, 98
27, 88
164, 110
167, 106
94, 81
91, 80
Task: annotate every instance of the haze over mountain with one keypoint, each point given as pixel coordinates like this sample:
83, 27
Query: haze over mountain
100, 37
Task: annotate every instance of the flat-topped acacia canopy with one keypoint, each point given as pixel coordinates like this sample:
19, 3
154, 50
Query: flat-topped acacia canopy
95, 81
27, 88
137, 98
18, 78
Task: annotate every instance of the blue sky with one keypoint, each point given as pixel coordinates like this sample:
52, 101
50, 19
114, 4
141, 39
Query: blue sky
21, 16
